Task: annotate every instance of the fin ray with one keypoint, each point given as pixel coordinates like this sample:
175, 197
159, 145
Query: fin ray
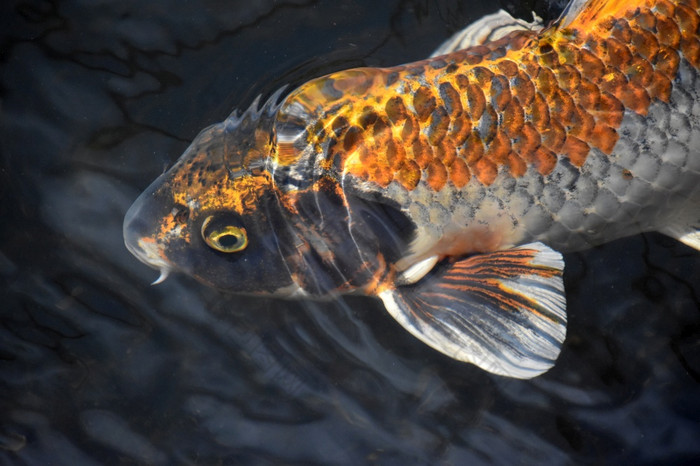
489, 28
503, 311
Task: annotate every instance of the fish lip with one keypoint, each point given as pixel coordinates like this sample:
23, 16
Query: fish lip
149, 252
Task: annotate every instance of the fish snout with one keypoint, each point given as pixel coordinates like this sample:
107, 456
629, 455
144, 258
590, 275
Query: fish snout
140, 236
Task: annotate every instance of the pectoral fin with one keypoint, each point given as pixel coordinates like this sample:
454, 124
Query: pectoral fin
687, 232
504, 311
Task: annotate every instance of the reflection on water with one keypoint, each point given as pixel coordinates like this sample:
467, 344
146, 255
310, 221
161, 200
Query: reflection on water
98, 367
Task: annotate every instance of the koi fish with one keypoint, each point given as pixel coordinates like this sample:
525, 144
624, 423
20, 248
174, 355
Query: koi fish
449, 188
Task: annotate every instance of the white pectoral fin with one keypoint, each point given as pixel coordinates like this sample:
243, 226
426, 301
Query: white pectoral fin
687, 233
504, 311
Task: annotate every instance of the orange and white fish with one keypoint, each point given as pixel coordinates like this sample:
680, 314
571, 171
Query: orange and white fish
449, 187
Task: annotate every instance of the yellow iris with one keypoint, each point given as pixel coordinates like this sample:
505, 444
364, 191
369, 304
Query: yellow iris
224, 238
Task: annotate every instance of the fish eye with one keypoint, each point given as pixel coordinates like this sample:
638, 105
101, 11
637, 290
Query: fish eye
222, 236
180, 213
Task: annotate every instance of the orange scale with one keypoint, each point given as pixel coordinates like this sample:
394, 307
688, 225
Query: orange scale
582, 123
485, 171
409, 175
660, 87
562, 108
527, 141
422, 152
460, 130
576, 150
664, 7
410, 130
439, 124
499, 148
644, 42
604, 138
437, 175
667, 60
568, 77
508, 68
622, 31
522, 88
423, 103
691, 51
395, 154
668, 32
590, 65
640, 71
516, 165
588, 95
609, 110
546, 82
688, 20
500, 92
482, 75
635, 98
459, 173
553, 137
395, 109
446, 152
462, 81
544, 160
539, 112
476, 101
618, 53
473, 148
645, 19
383, 176
513, 118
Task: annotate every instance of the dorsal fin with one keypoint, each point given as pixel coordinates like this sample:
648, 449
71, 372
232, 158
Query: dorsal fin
584, 14
489, 28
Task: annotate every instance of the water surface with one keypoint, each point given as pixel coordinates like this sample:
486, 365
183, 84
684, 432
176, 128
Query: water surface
99, 367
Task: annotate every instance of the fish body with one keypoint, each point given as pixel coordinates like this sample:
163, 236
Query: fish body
449, 187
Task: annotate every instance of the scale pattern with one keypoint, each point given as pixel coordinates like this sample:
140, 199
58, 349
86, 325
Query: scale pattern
523, 125
527, 99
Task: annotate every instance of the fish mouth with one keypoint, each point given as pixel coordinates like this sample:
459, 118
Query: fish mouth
143, 247
147, 251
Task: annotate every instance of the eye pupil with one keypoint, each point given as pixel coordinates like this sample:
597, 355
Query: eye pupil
228, 241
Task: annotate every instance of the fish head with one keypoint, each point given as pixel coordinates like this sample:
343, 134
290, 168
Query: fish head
216, 214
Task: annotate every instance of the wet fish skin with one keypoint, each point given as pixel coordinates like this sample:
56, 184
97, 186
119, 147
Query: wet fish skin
446, 187
573, 138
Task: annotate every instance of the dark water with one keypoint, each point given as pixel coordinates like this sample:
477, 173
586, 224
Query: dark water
98, 367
